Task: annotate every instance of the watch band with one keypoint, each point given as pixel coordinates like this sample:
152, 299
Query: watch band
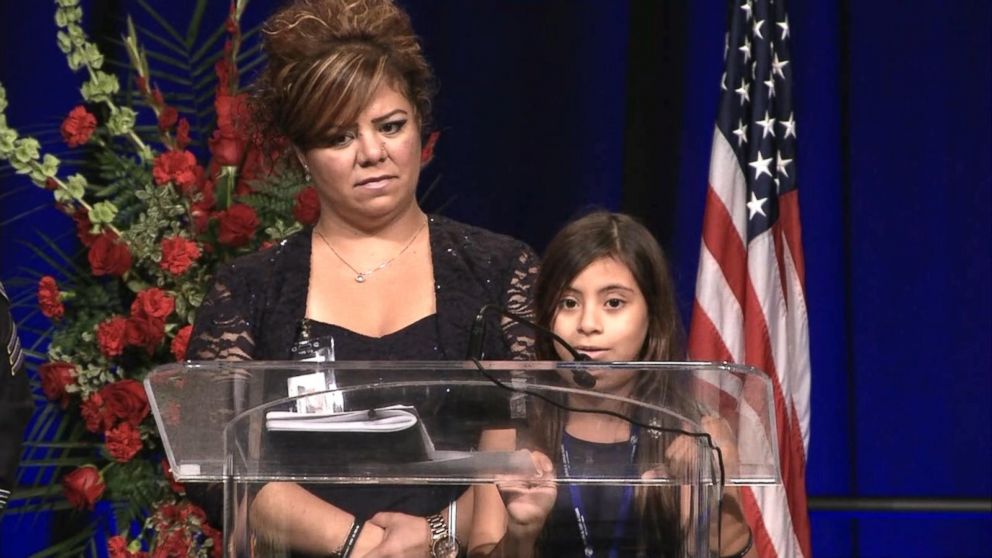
443, 542
438, 526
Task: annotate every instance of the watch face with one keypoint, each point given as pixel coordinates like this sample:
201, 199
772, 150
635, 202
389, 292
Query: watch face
445, 548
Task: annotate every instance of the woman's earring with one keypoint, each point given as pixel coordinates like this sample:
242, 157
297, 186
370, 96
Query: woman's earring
307, 179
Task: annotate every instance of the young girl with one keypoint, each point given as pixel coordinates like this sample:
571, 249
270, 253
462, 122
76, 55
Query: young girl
604, 288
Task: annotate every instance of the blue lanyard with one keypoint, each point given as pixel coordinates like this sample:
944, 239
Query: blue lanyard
626, 501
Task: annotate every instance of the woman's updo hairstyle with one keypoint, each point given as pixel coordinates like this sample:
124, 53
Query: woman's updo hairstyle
326, 58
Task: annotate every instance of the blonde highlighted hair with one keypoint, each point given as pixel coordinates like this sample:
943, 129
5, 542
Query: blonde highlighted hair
326, 58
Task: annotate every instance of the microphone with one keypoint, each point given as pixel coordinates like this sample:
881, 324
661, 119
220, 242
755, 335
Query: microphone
582, 378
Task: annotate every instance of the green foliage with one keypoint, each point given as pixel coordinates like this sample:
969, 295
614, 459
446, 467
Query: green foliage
113, 185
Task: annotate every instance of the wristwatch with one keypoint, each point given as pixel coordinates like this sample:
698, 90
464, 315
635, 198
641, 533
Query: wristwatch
443, 543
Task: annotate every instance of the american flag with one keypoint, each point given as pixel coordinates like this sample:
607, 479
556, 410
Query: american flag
750, 302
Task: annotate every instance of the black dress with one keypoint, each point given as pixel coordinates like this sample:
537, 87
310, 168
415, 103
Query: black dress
256, 307
416, 341
607, 511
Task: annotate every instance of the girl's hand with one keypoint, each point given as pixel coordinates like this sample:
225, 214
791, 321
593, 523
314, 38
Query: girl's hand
683, 449
529, 501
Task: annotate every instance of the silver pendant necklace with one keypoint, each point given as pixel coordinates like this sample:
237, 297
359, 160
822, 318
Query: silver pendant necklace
361, 276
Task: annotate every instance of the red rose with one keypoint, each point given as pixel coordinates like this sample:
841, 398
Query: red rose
96, 414
180, 342
178, 167
126, 400
171, 544
55, 376
154, 303
145, 331
178, 254
427, 151
142, 84
237, 225
177, 487
110, 336
123, 442
182, 134
109, 256
51, 184
306, 210
83, 227
83, 487
78, 127
167, 118
50, 299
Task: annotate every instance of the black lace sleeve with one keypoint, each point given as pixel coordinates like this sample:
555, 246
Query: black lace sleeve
223, 325
518, 298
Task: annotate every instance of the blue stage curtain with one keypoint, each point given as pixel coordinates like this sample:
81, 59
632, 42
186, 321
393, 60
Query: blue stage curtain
539, 119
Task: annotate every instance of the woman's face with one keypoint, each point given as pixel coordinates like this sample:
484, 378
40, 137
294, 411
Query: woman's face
369, 172
603, 314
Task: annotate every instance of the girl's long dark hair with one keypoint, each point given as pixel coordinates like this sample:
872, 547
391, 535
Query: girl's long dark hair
583, 241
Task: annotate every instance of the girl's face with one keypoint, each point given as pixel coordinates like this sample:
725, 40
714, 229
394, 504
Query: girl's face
370, 170
603, 314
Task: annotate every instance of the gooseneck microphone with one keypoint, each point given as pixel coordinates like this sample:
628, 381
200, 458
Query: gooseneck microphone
477, 334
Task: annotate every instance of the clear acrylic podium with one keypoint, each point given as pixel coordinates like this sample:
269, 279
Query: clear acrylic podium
394, 424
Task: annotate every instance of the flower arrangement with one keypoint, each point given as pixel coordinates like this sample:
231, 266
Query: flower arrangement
156, 207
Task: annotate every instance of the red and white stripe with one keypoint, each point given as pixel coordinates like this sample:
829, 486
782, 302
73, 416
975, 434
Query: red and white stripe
750, 308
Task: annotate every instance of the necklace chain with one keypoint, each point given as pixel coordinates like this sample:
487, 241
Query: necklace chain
361, 276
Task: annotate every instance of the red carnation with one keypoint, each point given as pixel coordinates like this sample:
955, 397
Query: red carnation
110, 336
109, 256
178, 254
167, 118
306, 210
123, 442
237, 225
83, 227
55, 377
180, 342
95, 414
78, 127
117, 547
83, 487
126, 400
178, 167
50, 299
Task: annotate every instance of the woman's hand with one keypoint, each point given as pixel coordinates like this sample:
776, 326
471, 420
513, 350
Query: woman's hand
405, 536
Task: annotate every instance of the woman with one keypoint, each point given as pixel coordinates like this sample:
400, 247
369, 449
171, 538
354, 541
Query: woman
348, 86
605, 289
